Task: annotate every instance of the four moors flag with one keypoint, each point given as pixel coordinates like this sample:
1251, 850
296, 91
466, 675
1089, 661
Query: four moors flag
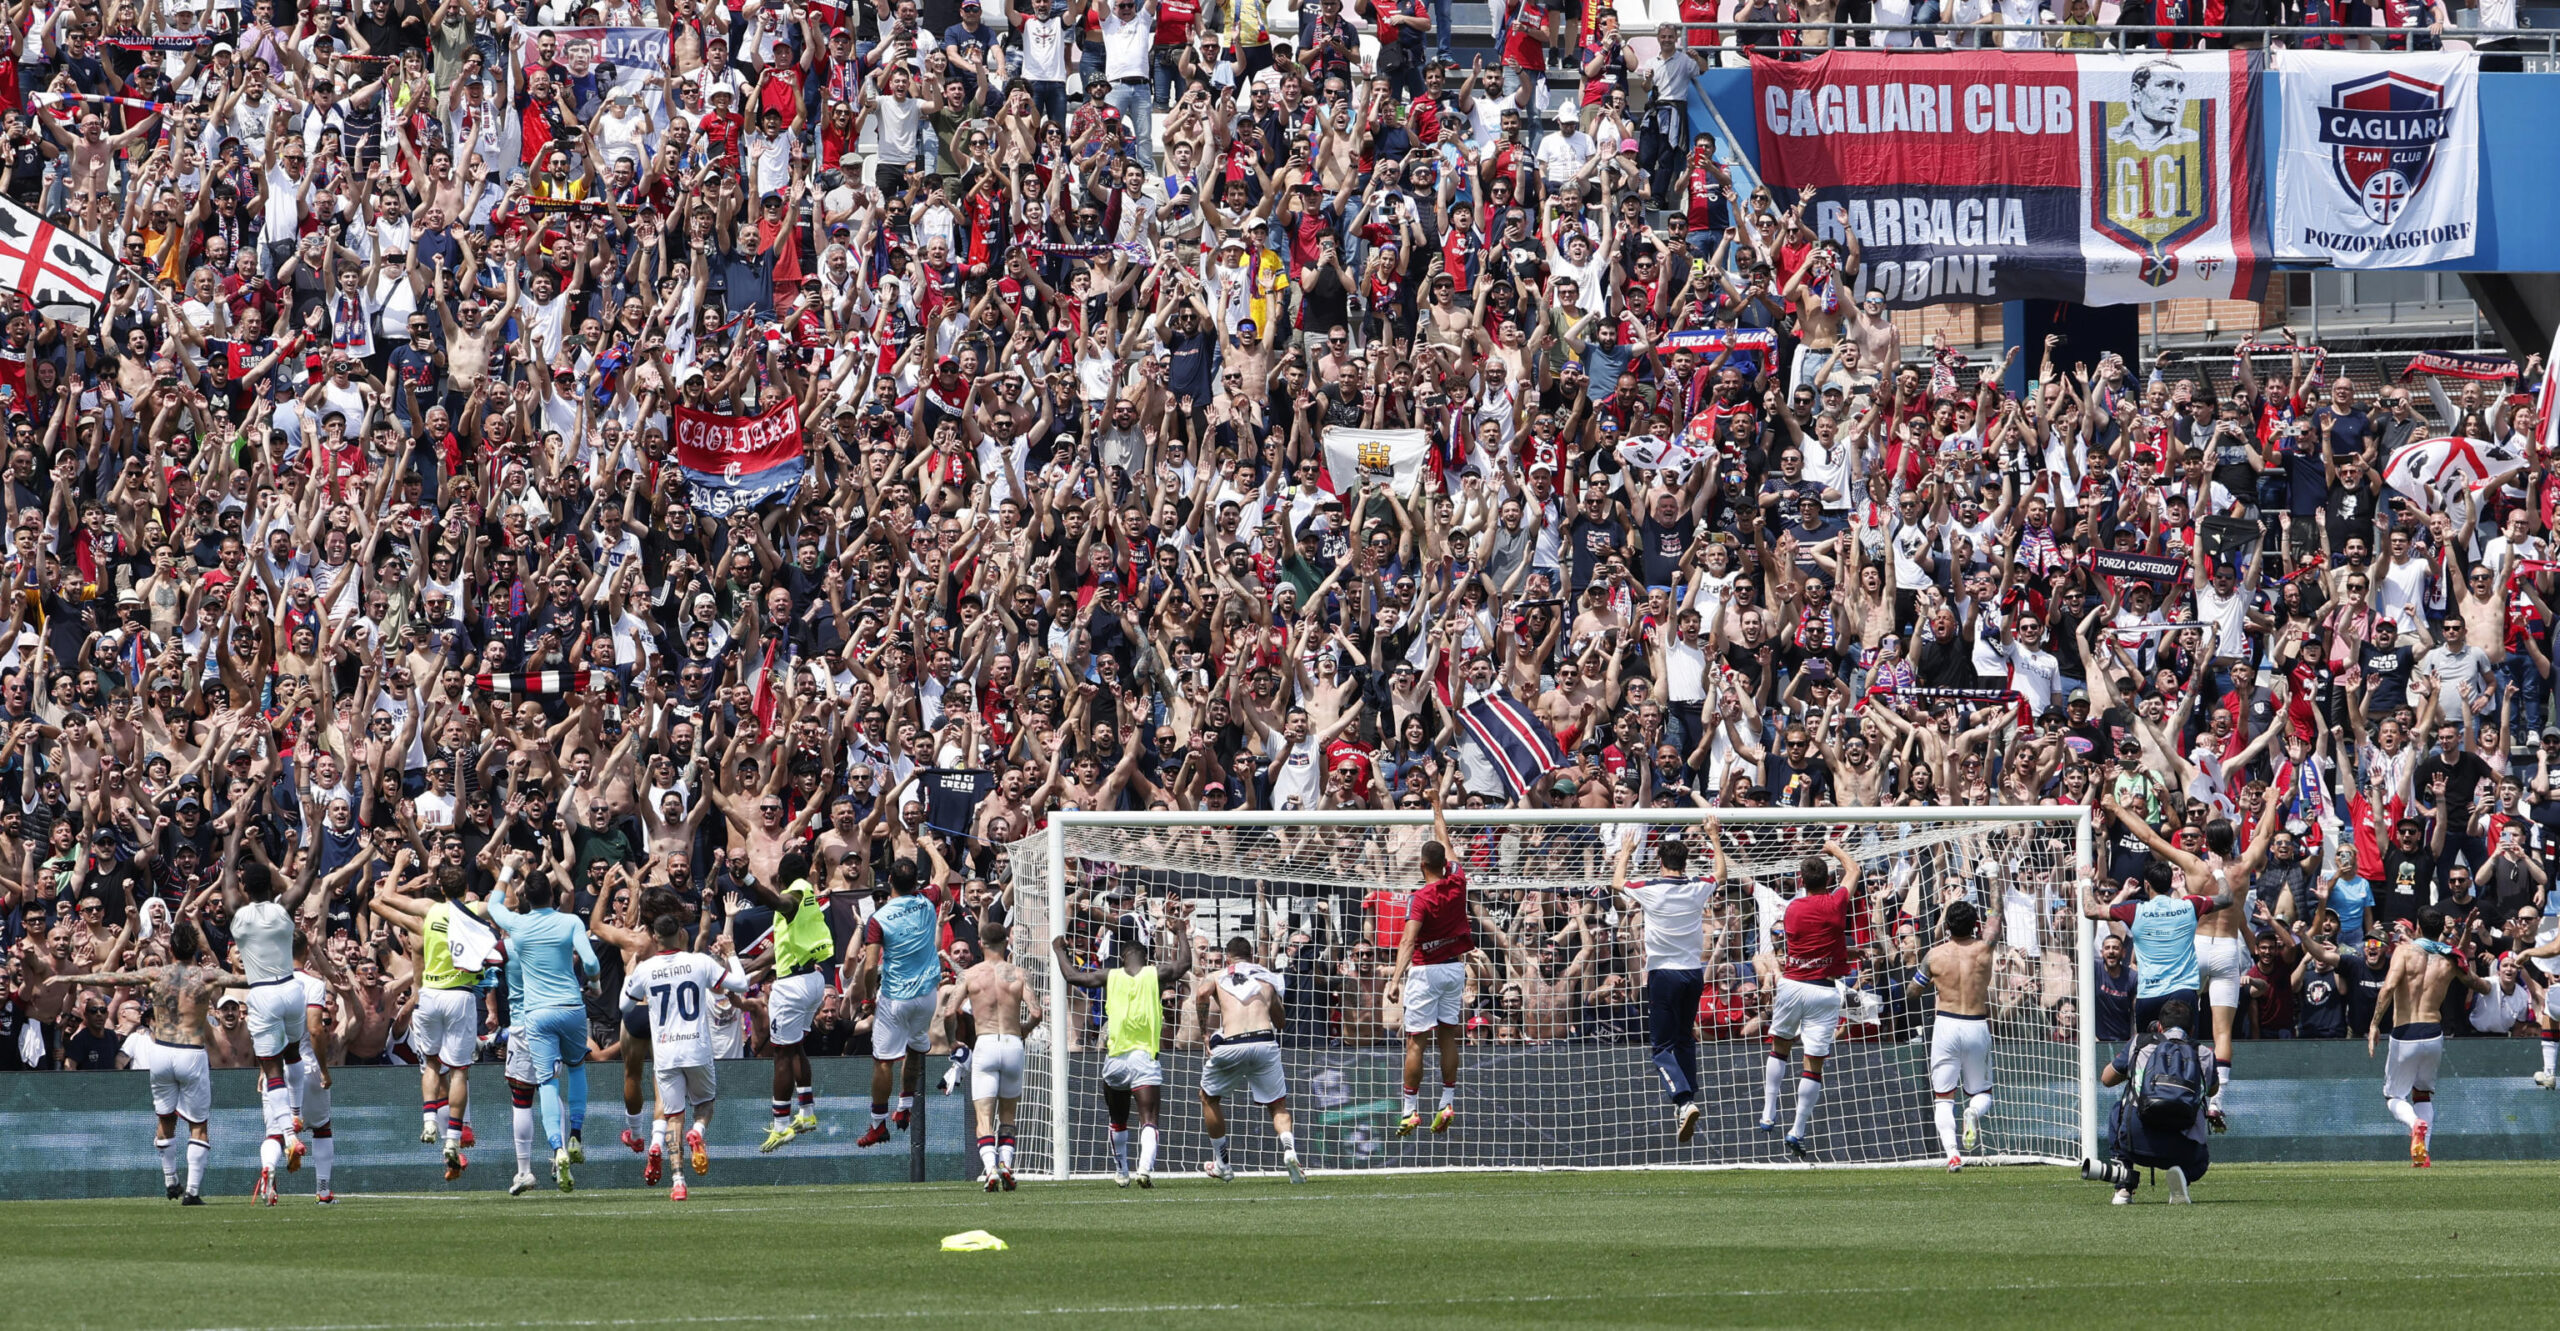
60, 275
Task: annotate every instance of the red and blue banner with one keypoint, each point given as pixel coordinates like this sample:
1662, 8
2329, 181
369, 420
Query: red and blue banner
2099, 179
740, 462
1520, 745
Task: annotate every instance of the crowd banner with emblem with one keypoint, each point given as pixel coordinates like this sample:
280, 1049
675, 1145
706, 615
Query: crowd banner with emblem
735, 463
2097, 179
2379, 162
1393, 457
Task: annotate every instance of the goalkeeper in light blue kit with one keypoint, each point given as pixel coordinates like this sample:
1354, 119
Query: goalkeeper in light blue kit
551, 952
901, 973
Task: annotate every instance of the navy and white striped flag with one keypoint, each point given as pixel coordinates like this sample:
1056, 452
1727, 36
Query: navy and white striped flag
1521, 746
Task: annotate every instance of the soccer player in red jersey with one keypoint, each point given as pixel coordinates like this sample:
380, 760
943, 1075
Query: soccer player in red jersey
1431, 968
1815, 937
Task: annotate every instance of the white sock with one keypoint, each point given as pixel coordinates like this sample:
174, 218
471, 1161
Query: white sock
658, 1133
1120, 1147
1288, 1143
168, 1149
1979, 1106
2550, 1056
1218, 1149
1773, 1077
631, 1121
270, 1152
324, 1155
1004, 1154
196, 1153
1413, 1102
526, 1126
437, 1118
453, 1134
1448, 1096
294, 1076
278, 1104
1946, 1112
2426, 1112
906, 1103
986, 1160
1147, 1149
1808, 1095
2401, 1110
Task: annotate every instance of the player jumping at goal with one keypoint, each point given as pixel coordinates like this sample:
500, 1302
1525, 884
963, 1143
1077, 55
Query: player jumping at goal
1133, 1031
1245, 1053
1959, 969
1431, 971
1675, 975
181, 1084
1815, 934
2411, 1006
1002, 1006
675, 987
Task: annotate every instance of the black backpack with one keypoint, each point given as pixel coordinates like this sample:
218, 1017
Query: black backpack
2168, 1083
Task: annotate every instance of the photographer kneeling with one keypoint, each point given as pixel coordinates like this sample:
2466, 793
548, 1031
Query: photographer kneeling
2159, 1121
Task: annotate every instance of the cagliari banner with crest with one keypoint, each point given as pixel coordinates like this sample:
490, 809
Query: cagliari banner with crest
2103, 179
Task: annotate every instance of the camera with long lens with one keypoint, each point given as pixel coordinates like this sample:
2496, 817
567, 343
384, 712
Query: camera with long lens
2113, 1172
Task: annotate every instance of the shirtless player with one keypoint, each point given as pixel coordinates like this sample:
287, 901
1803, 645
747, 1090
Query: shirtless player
1959, 970
1001, 1003
2222, 949
2411, 1006
1246, 1053
181, 1084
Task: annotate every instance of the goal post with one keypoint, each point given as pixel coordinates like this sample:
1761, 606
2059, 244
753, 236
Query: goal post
1558, 1071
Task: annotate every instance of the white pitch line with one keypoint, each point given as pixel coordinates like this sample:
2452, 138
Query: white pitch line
1151, 1309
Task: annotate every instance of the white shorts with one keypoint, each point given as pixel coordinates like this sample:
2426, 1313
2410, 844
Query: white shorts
181, 1083
792, 1003
315, 1097
1960, 1056
520, 1056
1810, 1012
901, 1026
2223, 964
1254, 1066
276, 1016
1132, 1069
447, 1026
1434, 996
995, 1068
2409, 1066
2551, 999
685, 1088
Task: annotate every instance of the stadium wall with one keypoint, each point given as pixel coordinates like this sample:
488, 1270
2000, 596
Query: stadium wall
2516, 112
88, 1134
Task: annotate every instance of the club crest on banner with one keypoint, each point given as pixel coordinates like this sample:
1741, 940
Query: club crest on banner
2382, 132
2156, 184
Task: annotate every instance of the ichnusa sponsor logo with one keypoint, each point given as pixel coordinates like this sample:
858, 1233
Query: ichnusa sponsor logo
2382, 132
2155, 187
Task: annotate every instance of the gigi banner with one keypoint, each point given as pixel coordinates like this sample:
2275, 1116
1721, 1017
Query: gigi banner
2096, 179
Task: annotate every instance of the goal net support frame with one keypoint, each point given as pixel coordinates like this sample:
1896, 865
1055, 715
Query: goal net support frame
1062, 1128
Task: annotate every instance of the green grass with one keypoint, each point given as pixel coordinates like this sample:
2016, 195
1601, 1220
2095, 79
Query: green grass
2265, 1245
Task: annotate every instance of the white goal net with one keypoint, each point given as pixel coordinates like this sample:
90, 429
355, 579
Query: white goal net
1558, 1069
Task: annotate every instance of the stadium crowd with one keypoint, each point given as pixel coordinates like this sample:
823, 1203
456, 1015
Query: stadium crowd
348, 537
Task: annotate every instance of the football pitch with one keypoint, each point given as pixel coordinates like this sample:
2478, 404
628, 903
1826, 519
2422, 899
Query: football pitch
2264, 1245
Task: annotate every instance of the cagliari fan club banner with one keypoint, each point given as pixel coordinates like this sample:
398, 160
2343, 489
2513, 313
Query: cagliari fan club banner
2380, 163
2097, 179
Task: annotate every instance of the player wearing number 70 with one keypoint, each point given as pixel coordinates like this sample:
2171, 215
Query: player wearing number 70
675, 986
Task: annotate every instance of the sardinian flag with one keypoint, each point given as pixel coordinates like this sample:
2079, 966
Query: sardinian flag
2433, 472
1520, 745
60, 275
536, 681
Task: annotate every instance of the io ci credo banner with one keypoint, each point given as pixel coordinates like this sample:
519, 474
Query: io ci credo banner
2096, 179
